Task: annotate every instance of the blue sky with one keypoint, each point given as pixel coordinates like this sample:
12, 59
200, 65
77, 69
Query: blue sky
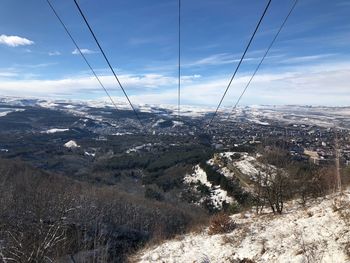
309, 63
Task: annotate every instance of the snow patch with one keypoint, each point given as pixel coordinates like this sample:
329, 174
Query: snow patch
158, 122
6, 111
122, 133
177, 123
217, 195
71, 144
90, 154
50, 131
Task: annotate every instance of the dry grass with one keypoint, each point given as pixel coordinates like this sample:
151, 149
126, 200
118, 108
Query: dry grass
221, 223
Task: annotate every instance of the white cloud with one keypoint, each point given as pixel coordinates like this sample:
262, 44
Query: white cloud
14, 41
303, 59
76, 85
54, 53
84, 51
319, 85
325, 84
8, 74
217, 59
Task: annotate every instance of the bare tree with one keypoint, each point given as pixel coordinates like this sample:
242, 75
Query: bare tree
271, 188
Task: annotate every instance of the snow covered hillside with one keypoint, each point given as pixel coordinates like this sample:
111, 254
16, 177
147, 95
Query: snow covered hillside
318, 232
217, 195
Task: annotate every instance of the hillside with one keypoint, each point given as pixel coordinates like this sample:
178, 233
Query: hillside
318, 232
132, 186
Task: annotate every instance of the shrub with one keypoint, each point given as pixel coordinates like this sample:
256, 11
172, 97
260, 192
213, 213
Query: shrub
232, 208
220, 224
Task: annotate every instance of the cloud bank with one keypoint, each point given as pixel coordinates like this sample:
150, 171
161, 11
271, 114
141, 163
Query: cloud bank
323, 84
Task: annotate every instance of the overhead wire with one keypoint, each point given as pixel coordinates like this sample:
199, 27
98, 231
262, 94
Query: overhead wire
240, 62
263, 58
106, 59
179, 61
81, 53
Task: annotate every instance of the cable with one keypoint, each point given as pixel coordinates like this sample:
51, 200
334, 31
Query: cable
179, 64
81, 53
263, 58
109, 64
240, 62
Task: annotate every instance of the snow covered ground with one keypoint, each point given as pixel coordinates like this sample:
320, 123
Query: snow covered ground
316, 233
259, 114
246, 164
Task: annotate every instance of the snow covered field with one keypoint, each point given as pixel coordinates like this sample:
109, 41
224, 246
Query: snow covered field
316, 233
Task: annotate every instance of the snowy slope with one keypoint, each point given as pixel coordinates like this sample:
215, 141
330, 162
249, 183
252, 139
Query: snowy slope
316, 233
217, 195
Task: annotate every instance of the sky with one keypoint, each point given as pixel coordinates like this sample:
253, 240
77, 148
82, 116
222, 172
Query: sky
309, 63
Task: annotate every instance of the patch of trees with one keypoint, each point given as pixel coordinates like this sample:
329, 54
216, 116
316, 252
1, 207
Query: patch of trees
230, 185
164, 169
156, 161
167, 179
188, 155
276, 156
45, 217
124, 161
290, 179
311, 181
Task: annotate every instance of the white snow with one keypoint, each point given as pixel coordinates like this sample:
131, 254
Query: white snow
71, 144
177, 123
4, 112
246, 166
316, 233
217, 195
47, 104
54, 130
257, 121
122, 133
158, 122
199, 175
141, 147
90, 154
226, 172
